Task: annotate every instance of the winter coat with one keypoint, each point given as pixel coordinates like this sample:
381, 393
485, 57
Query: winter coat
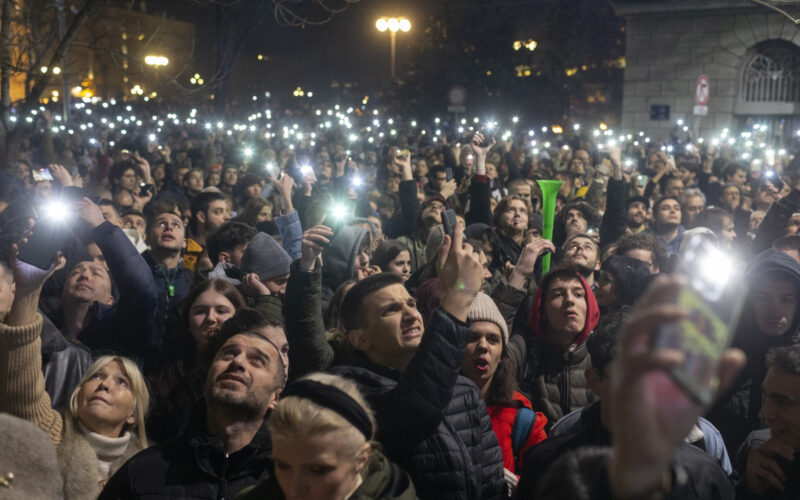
552, 378
735, 414
431, 421
700, 478
382, 480
63, 362
756, 439
22, 394
192, 465
774, 224
503, 417
167, 307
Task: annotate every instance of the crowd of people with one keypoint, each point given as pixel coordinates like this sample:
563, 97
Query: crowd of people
338, 304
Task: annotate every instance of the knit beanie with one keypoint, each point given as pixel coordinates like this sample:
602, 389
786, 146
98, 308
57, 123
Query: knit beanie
483, 308
265, 257
28, 462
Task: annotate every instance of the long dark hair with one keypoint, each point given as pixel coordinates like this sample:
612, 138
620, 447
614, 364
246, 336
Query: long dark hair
504, 383
387, 251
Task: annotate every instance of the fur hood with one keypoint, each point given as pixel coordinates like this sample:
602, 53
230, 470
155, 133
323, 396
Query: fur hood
78, 462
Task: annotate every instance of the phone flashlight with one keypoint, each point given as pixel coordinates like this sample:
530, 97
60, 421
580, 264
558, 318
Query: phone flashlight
56, 210
306, 171
357, 182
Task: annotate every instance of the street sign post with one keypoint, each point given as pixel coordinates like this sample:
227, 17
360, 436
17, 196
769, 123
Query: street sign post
701, 95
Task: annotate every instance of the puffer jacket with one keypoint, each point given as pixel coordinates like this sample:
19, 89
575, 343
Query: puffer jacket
735, 414
382, 480
551, 377
432, 421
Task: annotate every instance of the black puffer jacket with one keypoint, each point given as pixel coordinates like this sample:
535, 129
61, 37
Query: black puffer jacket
736, 413
192, 465
432, 421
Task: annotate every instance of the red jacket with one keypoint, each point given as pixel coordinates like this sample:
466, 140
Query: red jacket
502, 423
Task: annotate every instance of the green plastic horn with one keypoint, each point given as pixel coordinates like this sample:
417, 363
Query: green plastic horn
549, 195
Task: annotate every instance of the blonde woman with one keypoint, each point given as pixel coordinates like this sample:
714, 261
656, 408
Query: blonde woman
322, 431
104, 424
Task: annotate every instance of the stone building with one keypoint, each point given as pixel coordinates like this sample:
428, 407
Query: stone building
750, 54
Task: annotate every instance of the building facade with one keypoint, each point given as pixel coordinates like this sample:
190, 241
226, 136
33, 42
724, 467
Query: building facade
750, 54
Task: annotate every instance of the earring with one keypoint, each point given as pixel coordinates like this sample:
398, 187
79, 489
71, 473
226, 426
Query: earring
7, 479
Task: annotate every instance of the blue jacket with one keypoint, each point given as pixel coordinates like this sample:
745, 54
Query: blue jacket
128, 326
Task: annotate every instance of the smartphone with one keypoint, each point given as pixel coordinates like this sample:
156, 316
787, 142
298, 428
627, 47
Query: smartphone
449, 221
41, 175
48, 237
449, 173
402, 154
714, 303
642, 180
145, 188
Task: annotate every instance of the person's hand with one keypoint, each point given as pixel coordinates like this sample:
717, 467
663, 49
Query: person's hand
90, 212
650, 414
531, 253
448, 188
404, 165
48, 118
314, 241
460, 273
481, 151
283, 185
140, 201
309, 179
60, 175
763, 471
253, 287
29, 278
507, 145
145, 166
166, 153
367, 272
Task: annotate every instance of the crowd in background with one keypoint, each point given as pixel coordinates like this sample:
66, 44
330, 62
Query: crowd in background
281, 307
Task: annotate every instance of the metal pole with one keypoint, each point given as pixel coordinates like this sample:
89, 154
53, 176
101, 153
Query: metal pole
62, 31
394, 58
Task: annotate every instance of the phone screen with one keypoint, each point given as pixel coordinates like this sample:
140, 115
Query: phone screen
42, 174
714, 304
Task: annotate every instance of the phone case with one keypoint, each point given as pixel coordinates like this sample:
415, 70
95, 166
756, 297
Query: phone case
48, 237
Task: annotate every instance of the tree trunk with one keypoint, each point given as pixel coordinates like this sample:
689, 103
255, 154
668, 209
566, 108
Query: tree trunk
5, 57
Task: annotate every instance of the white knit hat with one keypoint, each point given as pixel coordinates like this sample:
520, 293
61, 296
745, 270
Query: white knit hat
483, 308
28, 463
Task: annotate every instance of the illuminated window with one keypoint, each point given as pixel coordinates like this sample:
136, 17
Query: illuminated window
772, 74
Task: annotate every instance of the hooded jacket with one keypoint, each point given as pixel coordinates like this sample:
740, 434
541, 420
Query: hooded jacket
736, 413
339, 258
554, 378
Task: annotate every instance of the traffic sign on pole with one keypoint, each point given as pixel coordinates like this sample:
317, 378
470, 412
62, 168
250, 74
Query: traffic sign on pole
703, 91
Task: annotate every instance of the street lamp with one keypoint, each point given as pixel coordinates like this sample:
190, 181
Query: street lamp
393, 25
153, 60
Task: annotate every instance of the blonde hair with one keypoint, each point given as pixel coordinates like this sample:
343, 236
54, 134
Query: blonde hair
296, 417
138, 387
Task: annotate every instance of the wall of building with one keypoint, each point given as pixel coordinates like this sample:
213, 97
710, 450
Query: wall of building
670, 44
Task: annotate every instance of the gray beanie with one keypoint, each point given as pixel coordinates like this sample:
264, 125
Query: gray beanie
265, 257
28, 463
483, 308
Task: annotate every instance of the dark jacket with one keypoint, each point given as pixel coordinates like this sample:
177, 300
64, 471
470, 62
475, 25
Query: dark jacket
168, 307
63, 363
404, 222
702, 477
382, 480
615, 217
432, 421
480, 206
128, 326
509, 250
552, 378
192, 465
735, 414
792, 470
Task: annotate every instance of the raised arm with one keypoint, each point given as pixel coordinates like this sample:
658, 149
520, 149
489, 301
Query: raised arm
309, 349
22, 390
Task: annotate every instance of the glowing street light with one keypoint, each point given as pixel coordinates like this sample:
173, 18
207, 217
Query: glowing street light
153, 60
393, 25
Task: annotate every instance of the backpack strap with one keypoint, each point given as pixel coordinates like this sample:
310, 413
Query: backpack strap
520, 430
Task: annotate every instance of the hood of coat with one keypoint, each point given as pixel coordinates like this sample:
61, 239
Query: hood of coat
537, 320
339, 258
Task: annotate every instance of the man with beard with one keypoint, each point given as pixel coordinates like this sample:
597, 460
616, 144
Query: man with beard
623, 214
581, 252
577, 217
225, 447
511, 223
